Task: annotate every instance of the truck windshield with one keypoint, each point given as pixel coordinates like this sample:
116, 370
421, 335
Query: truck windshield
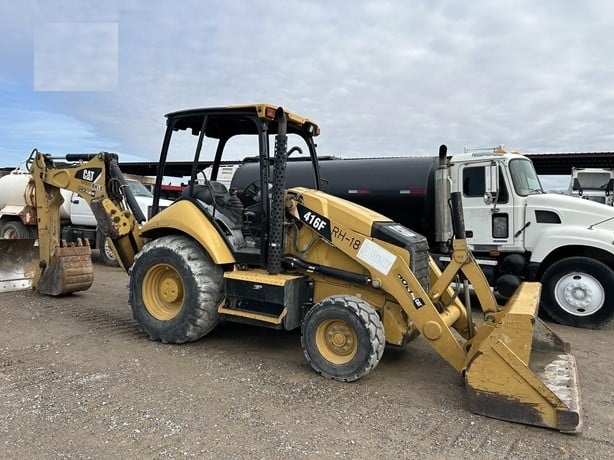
524, 177
138, 189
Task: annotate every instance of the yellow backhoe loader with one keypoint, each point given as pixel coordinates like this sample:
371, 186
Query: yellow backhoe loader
351, 279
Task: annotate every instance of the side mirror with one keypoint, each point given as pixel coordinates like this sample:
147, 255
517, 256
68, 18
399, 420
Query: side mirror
491, 183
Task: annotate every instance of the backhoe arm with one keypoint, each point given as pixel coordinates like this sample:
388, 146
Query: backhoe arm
98, 180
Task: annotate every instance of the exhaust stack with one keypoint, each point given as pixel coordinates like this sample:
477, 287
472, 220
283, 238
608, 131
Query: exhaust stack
443, 224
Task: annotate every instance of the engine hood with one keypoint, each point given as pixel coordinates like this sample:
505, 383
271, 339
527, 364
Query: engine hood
573, 210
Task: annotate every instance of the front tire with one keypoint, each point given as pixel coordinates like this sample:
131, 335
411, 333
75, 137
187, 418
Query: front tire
106, 253
175, 290
342, 338
578, 292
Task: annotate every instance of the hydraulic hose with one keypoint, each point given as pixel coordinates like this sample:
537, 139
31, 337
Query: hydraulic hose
458, 219
350, 277
116, 174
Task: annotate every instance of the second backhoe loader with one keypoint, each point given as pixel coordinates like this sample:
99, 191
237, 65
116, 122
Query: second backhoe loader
351, 279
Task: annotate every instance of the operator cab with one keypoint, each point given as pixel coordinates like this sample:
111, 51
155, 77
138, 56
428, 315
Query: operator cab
215, 138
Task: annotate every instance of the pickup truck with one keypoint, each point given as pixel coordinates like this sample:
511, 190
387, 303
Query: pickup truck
18, 213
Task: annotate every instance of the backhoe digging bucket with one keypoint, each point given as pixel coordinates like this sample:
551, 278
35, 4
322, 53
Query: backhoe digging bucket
519, 370
18, 264
70, 269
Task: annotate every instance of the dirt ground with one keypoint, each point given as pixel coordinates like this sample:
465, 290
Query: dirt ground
79, 380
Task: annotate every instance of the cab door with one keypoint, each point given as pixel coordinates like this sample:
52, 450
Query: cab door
488, 206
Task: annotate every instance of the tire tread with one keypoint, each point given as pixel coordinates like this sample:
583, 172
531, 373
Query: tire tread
373, 325
201, 315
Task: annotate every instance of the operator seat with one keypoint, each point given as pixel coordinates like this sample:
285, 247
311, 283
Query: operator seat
217, 195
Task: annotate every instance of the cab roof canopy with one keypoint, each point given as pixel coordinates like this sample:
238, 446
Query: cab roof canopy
225, 122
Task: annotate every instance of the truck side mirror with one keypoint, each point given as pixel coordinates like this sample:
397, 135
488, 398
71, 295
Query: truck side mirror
491, 183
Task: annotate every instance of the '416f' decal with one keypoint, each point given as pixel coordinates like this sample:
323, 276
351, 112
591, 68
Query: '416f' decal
316, 221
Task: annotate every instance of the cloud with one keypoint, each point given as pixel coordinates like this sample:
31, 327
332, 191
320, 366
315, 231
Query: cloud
76, 57
381, 77
54, 133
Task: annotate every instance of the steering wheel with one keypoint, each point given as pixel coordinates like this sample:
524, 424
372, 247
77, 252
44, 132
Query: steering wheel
252, 191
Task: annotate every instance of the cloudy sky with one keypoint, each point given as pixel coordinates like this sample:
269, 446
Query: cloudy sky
383, 78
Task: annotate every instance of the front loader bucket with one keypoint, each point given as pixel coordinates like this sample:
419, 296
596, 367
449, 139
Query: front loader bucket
70, 269
519, 370
18, 264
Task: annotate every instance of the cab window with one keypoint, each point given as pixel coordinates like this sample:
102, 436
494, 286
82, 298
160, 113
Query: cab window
474, 183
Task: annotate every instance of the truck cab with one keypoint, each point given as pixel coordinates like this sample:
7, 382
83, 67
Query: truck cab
519, 232
495, 191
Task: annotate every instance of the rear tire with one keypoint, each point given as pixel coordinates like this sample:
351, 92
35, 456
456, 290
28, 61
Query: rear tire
342, 338
16, 230
578, 292
175, 290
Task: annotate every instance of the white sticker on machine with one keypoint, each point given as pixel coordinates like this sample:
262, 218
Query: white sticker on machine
376, 256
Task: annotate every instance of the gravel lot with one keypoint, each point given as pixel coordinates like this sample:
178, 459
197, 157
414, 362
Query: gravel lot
79, 380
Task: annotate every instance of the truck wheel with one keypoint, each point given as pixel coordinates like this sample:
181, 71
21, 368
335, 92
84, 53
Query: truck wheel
175, 290
579, 292
15, 230
342, 338
106, 253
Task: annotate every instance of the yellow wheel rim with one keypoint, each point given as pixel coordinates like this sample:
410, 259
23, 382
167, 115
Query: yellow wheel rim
336, 341
163, 292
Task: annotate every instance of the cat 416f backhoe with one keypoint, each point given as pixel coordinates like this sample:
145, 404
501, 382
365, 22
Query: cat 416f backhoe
351, 279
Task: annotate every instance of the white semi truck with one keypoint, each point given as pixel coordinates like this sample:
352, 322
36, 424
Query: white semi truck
18, 213
516, 230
